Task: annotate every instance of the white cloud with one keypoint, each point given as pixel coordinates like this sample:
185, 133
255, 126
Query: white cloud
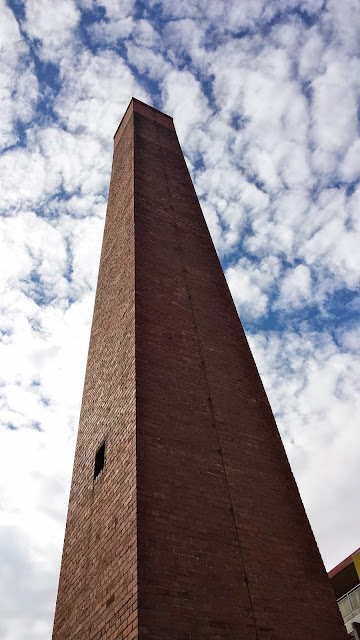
52, 24
249, 284
23, 178
18, 82
185, 37
223, 16
40, 398
118, 24
183, 98
350, 168
332, 243
313, 388
295, 290
311, 55
273, 143
334, 128
95, 93
79, 161
147, 62
145, 36
342, 24
116, 10
350, 339
109, 33
53, 159
242, 15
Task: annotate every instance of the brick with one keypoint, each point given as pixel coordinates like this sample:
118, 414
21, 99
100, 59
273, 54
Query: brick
194, 529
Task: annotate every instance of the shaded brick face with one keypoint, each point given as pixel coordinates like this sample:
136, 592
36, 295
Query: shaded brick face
196, 510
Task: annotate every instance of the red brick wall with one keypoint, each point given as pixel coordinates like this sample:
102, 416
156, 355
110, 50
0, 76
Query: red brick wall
97, 595
196, 508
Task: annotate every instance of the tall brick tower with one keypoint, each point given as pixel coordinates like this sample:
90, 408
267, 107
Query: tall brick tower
184, 521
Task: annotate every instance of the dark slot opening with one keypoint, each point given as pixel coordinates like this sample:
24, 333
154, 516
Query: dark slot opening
99, 460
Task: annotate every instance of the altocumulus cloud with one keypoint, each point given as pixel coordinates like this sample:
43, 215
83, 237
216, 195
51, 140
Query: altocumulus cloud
265, 97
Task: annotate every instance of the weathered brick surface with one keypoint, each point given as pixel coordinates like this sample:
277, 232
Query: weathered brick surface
196, 510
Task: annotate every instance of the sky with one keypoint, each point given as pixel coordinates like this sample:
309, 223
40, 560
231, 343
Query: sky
265, 96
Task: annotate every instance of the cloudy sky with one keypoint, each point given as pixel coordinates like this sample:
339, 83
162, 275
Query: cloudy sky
265, 95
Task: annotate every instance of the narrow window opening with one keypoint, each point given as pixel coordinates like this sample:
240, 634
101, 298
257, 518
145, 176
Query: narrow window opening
99, 460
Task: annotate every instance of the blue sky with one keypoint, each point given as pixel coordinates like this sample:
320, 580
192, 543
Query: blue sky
265, 97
